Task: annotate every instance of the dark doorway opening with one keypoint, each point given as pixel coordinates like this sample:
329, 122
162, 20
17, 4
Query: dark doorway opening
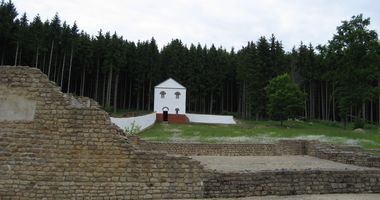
165, 115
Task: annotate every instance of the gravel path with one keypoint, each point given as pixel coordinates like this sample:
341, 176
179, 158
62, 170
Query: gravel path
259, 163
315, 197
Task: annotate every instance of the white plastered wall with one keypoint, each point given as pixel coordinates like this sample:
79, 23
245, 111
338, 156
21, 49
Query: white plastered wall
170, 100
142, 122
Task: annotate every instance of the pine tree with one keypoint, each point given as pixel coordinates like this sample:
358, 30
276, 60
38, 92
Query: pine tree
8, 16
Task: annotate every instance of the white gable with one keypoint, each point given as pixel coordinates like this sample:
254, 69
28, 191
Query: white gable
170, 83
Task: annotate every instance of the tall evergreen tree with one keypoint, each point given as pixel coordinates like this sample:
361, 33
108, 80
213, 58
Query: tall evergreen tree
8, 16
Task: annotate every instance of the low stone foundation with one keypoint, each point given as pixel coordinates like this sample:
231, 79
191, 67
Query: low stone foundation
288, 182
354, 156
282, 182
347, 155
281, 148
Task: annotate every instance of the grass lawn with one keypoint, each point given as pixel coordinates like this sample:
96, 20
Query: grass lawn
264, 132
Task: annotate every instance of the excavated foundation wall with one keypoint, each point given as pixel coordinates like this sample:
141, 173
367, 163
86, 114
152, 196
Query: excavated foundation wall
292, 182
281, 182
65, 147
283, 147
352, 155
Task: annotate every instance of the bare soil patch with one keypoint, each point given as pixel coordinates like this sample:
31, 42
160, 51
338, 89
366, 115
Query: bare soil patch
260, 163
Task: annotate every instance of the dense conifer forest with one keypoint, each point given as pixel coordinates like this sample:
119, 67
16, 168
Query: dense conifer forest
340, 79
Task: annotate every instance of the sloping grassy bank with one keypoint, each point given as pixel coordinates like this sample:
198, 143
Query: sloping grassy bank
264, 132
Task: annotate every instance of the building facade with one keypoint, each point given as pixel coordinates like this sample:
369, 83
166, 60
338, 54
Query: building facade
170, 102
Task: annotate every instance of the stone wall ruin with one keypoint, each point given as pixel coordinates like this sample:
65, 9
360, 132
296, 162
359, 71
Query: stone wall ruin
70, 149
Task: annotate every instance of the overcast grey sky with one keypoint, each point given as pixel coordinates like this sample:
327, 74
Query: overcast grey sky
227, 23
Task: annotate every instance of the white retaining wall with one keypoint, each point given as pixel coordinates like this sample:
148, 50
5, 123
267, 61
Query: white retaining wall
211, 119
143, 122
148, 120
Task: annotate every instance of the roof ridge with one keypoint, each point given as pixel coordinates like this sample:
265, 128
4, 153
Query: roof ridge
162, 84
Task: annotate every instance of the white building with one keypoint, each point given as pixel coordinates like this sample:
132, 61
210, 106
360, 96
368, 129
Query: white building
169, 99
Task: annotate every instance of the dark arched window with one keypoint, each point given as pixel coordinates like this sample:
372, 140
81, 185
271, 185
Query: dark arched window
162, 93
177, 95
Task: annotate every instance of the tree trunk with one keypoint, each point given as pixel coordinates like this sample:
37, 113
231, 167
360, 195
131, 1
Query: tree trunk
345, 121
97, 81
16, 55
104, 90
351, 113
70, 65
304, 91
243, 104
125, 91
333, 102
222, 101
204, 104
51, 57
245, 99
317, 103
364, 111
143, 96
75, 86
2, 56
63, 69
55, 69
36, 64
198, 104
44, 63
149, 94
211, 102
83, 81
138, 98
239, 104
228, 97
311, 100
188, 103
20, 57
130, 95
232, 93
323, 102
327, 101
371, 112
115, 92
109, 87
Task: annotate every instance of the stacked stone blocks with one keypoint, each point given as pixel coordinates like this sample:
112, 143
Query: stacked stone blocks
71, 150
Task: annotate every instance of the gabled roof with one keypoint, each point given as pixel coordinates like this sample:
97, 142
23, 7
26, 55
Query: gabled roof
170, 83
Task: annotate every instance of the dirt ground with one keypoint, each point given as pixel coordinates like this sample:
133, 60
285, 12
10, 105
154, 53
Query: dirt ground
315, 197
259, 163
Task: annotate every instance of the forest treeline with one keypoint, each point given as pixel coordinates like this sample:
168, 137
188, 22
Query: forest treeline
340, 80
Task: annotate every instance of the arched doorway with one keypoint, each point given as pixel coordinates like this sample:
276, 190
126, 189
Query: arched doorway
165, 114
